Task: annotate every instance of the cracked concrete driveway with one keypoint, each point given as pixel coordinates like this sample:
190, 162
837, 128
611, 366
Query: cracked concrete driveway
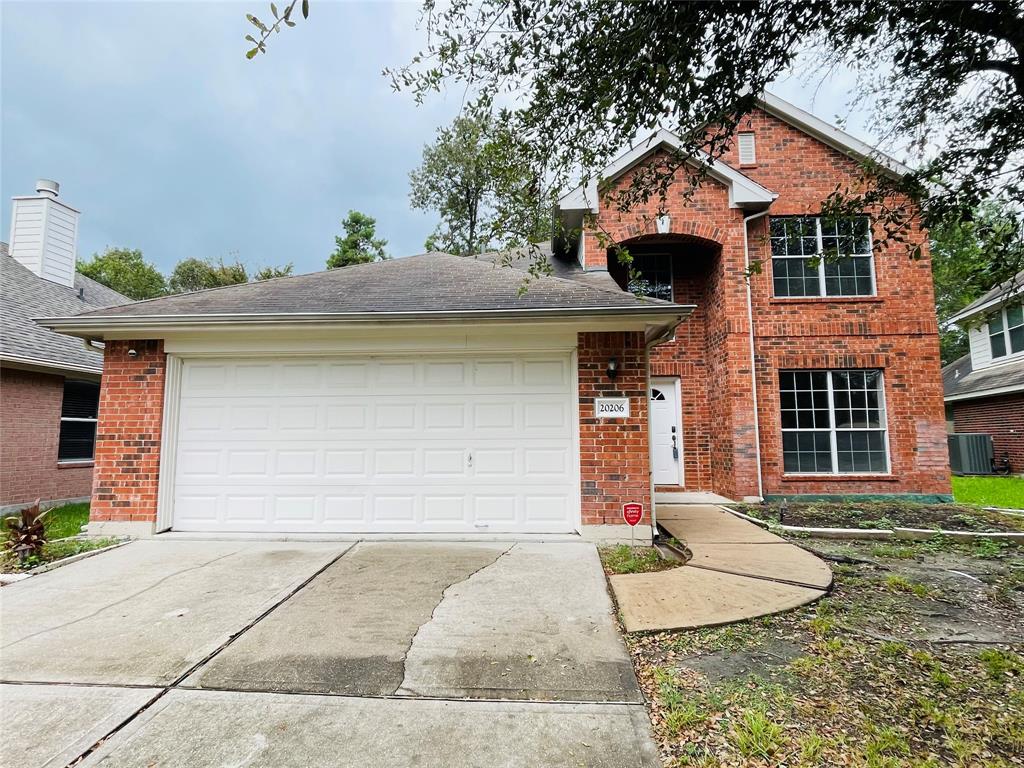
217, 653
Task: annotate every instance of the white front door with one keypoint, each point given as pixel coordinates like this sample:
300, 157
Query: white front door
666, 433
446, 444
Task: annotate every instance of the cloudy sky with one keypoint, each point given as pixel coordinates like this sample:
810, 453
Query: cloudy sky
169, 140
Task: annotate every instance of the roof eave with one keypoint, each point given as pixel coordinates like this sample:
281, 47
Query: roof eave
95, 327
993, 392
53, 365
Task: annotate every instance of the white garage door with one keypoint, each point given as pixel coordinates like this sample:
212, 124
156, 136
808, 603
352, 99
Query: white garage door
429, 444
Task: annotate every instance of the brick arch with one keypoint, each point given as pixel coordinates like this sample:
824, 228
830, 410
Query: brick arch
688, 232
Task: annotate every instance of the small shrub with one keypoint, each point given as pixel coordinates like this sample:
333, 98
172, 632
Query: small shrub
26, 534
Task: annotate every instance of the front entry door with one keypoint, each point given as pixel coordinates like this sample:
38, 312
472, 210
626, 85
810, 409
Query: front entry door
666, 433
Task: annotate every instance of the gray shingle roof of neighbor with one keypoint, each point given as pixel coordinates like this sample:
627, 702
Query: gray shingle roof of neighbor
431, 282
24, 295
959, 378
1008, 288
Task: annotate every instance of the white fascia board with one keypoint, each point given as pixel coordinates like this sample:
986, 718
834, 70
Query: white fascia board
50, 365
1004, 298
985, 393
828, 134
743, 191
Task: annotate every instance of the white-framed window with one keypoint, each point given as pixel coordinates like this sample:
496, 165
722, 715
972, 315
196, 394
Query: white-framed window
748, 155
78, 413
817, 256
1006, 331
833, 422
651, 275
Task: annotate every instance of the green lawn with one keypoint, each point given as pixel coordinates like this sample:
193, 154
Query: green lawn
1005, 492
65, 521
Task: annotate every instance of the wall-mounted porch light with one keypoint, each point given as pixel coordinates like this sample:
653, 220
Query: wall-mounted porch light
613, 368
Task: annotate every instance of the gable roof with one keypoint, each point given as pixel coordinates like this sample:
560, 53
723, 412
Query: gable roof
828, 134
421, 288
961, 382
24, 296
999, 295
744, 192
524, 258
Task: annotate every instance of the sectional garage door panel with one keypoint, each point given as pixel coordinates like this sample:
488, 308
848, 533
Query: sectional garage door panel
382, 444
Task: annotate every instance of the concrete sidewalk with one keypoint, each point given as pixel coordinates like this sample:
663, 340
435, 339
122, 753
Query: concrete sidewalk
738, 571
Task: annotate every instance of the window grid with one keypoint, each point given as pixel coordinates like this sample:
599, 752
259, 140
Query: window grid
797, 240
1006, 331
834, 422
651, 275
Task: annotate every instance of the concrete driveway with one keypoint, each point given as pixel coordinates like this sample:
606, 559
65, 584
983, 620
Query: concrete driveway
243, 653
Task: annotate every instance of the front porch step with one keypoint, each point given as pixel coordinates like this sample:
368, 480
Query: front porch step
690, 497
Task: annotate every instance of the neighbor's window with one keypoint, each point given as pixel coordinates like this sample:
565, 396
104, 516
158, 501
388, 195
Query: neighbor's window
833, 422
1006, 331
803, 251
78, 420
651, 275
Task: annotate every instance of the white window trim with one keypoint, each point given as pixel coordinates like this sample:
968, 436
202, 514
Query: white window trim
821, 266
1010, 355
833, 430
79, 461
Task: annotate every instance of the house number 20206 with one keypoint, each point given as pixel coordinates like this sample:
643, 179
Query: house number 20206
611, 407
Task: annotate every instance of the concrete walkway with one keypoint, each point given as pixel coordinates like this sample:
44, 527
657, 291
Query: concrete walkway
738, 571
319, 655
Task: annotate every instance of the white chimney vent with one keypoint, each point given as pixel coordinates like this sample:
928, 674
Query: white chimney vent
44, 234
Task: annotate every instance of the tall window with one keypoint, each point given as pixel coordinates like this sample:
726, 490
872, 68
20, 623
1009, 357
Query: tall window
805, 251
1006, 331
833, 422
651, 275
78, 420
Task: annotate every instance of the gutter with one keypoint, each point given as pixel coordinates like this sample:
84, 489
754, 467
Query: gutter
96, 324
50, 364
753, 358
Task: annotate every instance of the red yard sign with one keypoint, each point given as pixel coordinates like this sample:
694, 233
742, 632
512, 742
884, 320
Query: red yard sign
632, 513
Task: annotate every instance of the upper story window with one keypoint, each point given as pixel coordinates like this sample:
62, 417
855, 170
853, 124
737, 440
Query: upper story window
78, 413
651, 275
803, 256
1006, 331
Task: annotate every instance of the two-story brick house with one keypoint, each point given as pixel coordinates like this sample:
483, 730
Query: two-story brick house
430, 394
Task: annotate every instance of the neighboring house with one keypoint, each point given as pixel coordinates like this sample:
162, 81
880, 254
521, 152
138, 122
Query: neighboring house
49, 382
428, 394
985, 388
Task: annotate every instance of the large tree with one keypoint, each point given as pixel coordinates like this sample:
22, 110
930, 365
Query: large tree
961, 270
359, 244
477, 178
126, 271
585, 77
200, 274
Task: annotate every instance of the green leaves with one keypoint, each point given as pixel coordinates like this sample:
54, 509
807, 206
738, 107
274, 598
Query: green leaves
259, 46
360, 245
125, 271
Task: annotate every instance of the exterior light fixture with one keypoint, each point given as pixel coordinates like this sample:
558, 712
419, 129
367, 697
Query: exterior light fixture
664, 224
613, 368
132, 353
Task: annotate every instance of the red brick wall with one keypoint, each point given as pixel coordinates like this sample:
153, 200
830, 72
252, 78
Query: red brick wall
29, 432
614, 458
896, 330
128, 437
1002, 417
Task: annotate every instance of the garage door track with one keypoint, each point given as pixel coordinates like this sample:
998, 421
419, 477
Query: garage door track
213, 653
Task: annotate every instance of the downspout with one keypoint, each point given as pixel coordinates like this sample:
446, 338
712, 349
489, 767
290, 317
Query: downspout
753, 359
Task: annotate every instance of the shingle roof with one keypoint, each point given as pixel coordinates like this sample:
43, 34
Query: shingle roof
524, 258
24, 295
432, 282
1012, 286
959, 378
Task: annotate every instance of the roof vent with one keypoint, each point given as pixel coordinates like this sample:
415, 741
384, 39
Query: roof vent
44, 234
48, 187
746, 145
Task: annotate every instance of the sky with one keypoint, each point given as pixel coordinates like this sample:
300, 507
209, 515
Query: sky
168, 140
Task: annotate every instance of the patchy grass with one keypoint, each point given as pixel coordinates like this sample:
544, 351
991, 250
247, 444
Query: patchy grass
65, 521
885, 514
914, 660
626, 559
1007, 492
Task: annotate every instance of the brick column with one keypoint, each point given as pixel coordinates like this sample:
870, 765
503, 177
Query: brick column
126, 475
614, 457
